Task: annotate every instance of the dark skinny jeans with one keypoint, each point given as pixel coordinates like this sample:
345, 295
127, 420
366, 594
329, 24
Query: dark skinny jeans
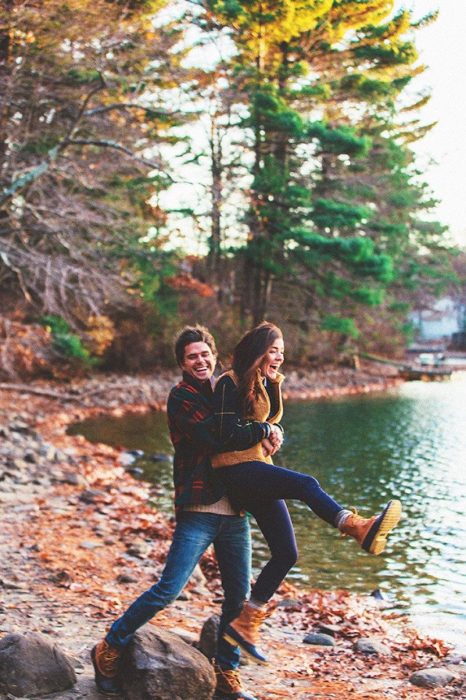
260, 488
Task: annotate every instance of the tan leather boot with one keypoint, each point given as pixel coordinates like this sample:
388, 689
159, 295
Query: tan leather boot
243, 631
229, 685
371, 533
106, 662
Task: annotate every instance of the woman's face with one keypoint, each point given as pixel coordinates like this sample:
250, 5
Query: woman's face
273, 359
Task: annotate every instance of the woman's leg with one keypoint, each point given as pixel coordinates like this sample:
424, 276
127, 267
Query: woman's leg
259, 481
275, 524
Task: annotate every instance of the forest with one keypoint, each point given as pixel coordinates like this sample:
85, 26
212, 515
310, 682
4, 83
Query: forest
165, 162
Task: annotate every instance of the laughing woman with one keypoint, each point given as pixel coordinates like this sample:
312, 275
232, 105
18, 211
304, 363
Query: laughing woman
251, 390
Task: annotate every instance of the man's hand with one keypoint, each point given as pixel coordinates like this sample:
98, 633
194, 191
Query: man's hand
276, 438
272, 444
267, 447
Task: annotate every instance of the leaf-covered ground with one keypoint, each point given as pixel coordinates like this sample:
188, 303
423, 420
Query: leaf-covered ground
75, 554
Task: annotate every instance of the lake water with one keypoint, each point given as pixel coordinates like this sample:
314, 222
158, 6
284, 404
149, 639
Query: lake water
410, 444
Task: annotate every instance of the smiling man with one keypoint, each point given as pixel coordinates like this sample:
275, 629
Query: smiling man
204, 517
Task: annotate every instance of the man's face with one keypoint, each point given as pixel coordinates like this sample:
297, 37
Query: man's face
198, 361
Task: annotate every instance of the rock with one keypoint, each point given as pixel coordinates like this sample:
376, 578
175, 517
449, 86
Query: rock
332, 630
74, 479
319, 639
125, 577
371, 646
160, 457
432, 677
90, 545
30, 665
20, 427
135, 471
209, 635
139, 548
91, 495
159, 665
289, 604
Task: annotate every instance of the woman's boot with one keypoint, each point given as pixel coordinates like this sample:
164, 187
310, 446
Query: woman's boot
243, 631
371, 533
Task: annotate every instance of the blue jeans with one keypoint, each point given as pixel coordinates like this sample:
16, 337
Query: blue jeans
194, 533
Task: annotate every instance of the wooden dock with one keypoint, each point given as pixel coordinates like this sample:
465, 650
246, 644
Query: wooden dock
424, 374
411, 373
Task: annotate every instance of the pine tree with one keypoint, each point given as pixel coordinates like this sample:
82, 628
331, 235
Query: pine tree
313, 73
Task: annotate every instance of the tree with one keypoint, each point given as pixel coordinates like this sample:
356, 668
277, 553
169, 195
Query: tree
84, 119
315, 74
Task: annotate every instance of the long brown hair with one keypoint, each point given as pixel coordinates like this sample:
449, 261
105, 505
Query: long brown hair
247, 358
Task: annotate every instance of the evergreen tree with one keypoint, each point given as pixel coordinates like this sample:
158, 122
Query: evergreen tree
313, 74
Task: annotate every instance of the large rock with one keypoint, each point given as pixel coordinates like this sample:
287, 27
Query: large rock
209, 636
319, 639
160, 666
432, 677
371, 646
31, 665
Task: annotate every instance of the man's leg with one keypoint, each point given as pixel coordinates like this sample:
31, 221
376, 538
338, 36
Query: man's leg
233, 551
194, 532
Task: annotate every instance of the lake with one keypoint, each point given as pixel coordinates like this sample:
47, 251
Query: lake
409, 443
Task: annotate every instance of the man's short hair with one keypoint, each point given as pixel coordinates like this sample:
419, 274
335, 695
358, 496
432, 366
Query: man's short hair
193, 334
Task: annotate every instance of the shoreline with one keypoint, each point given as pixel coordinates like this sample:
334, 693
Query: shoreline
80, 541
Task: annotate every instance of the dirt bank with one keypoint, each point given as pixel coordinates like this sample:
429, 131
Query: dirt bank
80, 539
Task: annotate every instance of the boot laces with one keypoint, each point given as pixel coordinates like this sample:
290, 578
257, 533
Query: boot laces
257, 617
228, 680
107, 658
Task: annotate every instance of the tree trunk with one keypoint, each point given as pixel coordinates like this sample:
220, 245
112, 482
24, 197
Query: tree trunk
213, 259
5, 46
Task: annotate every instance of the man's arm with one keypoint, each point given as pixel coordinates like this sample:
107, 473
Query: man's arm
195, 422
234, 432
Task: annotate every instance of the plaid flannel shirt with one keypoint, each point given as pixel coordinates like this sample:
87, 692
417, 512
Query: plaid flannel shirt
192, 431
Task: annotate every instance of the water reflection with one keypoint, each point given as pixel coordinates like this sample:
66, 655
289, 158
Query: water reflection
410, 444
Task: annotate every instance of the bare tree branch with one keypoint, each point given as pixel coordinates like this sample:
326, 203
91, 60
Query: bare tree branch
116, 146
130, 105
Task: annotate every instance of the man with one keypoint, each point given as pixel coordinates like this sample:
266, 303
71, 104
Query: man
204, 517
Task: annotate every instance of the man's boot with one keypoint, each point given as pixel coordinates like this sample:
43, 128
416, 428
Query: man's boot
243, 631
371, 533
229, 685
106, 662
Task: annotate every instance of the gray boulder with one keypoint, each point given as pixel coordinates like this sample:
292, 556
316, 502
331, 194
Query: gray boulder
371, 646
432, 677
319, 639
209, 636
31, 665
158, 665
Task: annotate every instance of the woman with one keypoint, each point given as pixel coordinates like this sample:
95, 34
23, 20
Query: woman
251, 392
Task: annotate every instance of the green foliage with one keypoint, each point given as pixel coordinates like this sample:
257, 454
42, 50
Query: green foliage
331, 214
338, 324
338, 140
65, 342
83, 76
